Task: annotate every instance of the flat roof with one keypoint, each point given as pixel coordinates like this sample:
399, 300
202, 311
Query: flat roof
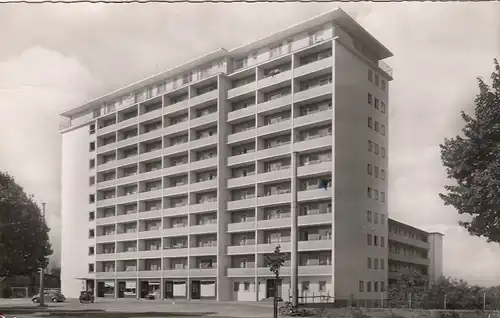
337, 15
407, 225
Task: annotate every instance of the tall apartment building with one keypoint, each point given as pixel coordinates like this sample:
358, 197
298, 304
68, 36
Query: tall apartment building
414, 250
181, 183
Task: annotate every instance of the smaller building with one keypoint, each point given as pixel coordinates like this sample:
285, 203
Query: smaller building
26, 285
414, 250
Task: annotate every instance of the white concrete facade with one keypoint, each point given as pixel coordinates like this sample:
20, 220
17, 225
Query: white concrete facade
182, 183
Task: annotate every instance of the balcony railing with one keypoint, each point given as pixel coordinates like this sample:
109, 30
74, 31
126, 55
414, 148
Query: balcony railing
386, 68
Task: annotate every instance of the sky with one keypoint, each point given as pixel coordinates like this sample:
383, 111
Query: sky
55, 57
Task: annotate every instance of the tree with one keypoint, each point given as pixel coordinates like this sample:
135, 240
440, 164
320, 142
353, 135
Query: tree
275, 261
409, 290
24, 240
473, 161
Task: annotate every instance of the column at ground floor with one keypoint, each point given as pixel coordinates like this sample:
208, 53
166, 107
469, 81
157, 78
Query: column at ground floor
311, 288
166, 288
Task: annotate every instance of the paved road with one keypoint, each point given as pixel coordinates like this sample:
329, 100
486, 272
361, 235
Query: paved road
222, 309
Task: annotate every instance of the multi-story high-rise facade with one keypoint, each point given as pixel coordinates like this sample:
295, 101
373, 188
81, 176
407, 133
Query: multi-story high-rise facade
412, 250
182, 183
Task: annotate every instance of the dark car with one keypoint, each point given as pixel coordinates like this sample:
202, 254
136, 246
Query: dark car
86, 297
54, 296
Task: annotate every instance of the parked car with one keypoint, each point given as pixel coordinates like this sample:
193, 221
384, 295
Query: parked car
54, 296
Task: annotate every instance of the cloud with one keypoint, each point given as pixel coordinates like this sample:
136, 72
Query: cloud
34, 88
86, 50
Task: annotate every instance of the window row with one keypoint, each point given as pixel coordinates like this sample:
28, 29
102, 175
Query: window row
376, 126
375, 217
377, 103
375, 263
376, 148
375, 171
374, 194
375, 79
374, 240
377, 286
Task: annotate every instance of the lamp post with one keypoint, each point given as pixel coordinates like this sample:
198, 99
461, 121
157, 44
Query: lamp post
42, 287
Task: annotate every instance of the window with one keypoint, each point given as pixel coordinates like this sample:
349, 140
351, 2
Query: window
382, 85
382, 107
369, 287
246, 286
370, 122
370, 98
369, 215
370, 75
382, 196
369, 169
91, 250
375, 240
91, 233
375, 194
187, 78
369, 192
377, 126
369, 239
382, 264
361, 286
305, 286
375, 171
382, 129
369, 262
382, 241
376, 80
377, 106
91, 198
92, 129
92, 180
91, 216
92, 146
383, 152
382, 287
91, 268
375, 218
375, 286
375, 263
322, 286
382, 174
370, 146
382, 218
375, 149
236, 286
92, 163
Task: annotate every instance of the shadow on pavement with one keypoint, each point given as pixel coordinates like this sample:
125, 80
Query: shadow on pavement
96, 313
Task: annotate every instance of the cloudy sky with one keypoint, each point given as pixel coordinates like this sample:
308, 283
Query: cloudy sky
54, 57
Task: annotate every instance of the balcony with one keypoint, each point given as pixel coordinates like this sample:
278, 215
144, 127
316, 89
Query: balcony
275, 79
176, 128
101, 275
107, 147
241, 204
175, 273
243, 158
151, 135
106, 202
249, 248
241, 226
106, 184
203, 272
105, 257
311, 270
151, 115
315, 219
105, 238
408, 241
149, 253
150, 233
150, 273
241, 181
126, 161
273, 199
175, 252
175, 231
174, 170
408, 259
126, 236
204, 163
175, 149
240, 90
153, 154
126, 217
313, 67
283, 221
178, 210
176, 190
205, 206
204, 228
314, 168
282, 149
173, 108
314, 194
315, 245
313, 143
106, 166
126, 123
206, 250
127, 142
126, 198
150, 194
126, 274
242, 113
313, 92
203, 142
203, 98
203, 185
241, 136
151, 174
284, 172
151, 214
106, 130
241, 272
126, 255
314, 118
269, 248
203, 120
274, 103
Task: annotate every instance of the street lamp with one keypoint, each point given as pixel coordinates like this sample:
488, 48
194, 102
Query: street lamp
42, 287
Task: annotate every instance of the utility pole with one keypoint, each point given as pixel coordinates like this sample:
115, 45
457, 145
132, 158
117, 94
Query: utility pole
42, 278
294, 232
